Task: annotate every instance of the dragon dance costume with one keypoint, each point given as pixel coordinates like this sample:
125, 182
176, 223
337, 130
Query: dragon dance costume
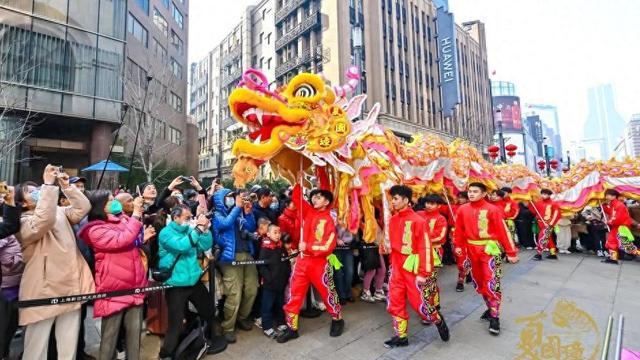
619, 236
547, 213
312, 266
481, 230
411, 255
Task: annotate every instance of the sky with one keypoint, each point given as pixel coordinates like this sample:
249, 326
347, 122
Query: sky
553, 50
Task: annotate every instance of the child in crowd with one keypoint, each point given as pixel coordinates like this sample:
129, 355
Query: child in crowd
275, 276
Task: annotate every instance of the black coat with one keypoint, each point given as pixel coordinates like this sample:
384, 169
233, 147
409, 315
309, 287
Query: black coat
10, 221
260, 212
275, 274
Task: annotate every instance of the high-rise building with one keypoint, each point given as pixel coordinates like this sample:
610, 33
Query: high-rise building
428, 74
604, 126
549, 116
630, 143
61, 65
157, 42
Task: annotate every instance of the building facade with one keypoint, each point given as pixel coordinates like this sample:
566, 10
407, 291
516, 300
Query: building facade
604, 126
630, 143
396, 46
61, 65
156, 77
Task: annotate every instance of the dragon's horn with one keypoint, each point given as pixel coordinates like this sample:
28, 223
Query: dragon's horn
353, 78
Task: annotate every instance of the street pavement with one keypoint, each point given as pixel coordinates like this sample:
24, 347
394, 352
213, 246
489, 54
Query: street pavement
551, 309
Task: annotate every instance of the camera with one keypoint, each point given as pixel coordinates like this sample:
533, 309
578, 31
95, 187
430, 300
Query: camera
209, 215
185, 179
4, 189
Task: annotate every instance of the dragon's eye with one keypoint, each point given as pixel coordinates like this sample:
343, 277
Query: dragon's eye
305, 91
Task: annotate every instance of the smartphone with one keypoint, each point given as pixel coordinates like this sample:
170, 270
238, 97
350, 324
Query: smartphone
185, 179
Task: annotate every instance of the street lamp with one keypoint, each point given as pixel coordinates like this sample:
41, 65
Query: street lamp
498, 117
568, 160
546, 155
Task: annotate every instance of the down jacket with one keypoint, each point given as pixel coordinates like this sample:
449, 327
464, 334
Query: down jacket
118, 262
227, 225
53, 263
181, 240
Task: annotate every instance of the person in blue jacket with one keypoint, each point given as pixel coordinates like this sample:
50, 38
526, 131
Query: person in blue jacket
233, 228
178, 250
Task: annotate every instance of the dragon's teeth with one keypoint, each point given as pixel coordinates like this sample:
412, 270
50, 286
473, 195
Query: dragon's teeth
257, 140
259, 114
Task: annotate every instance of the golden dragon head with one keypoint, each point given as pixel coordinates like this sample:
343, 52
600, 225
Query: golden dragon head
305, 116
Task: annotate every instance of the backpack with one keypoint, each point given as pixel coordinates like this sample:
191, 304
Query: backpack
193, 345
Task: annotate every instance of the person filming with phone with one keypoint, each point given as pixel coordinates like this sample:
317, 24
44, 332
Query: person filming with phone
54, 265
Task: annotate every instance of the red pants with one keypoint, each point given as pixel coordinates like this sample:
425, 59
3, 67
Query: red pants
614, 244
486, 271
317, 272
423, 299
545, 244
463, 264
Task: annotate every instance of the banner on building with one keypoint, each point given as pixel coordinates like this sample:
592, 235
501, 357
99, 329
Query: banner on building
507, 109
448, 62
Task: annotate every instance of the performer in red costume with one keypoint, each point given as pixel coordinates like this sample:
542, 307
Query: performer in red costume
480, 229
312, 267
412, 269
462, 260
619, 221
548, 214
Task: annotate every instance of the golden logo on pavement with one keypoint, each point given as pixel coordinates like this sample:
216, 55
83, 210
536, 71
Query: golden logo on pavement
574, 335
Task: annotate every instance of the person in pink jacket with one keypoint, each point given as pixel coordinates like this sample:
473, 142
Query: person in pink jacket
116, 239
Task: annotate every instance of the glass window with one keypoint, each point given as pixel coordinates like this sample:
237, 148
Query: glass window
138, 31
166, 3
144, 5
177, 15
109, 68
84, 14
47, 51
52, 9
175, 135
25, 5
176, 102
176, 68
80, 62
14, 46
159, 50
177, 42
160, 22
112, 18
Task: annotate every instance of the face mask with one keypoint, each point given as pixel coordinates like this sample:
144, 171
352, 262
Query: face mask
274, 205
229, 202
115, 208
35, 195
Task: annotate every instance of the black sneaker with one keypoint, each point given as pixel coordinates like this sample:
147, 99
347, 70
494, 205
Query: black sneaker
216, 345
552, 257
460, 287
337, 326
610, 261
287, 335
486, 315
494, 326
245, 325
443, 330
396, 342
537, 257
468, 279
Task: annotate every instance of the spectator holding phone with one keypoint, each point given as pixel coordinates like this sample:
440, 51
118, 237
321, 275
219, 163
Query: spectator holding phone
114, 237
54, 265
233, 219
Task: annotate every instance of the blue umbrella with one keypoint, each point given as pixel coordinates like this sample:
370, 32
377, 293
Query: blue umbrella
111, 166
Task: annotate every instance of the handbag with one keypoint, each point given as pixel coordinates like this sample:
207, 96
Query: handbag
163, 274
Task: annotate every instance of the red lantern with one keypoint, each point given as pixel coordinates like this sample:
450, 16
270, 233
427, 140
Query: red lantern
493, 149
493, 155
511, 148
542, 164
554, 164
511, 153
565, 169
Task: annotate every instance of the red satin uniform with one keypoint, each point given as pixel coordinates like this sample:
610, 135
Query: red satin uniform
476, 224
617, 216
548, 214
312, 267
408, 237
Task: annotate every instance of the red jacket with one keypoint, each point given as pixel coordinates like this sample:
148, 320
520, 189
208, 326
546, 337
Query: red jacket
511, 208
436, 226
408, 235
319, 230
118, 262
548, 210
617, 214
481, 220
290, 224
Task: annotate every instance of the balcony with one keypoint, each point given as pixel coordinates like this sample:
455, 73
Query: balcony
288, 9
293, 63
231, 56
202, 134
306, 25
226, 122
227, 79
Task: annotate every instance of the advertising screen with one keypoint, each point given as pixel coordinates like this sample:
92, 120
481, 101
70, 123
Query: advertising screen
509, 113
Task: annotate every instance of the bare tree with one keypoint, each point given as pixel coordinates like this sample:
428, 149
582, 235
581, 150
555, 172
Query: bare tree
148, 92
